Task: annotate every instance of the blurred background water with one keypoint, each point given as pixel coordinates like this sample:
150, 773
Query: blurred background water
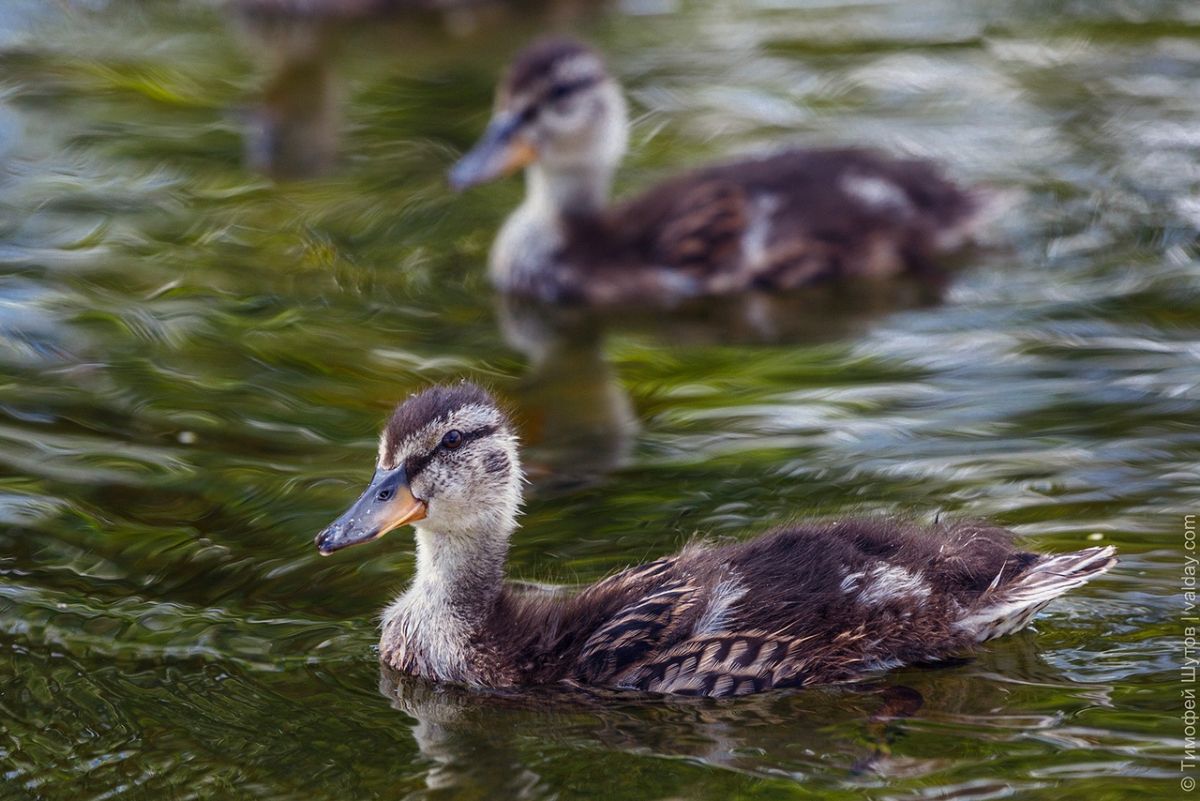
226, 251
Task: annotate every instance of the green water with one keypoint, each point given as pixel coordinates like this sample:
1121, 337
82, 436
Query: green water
226, 251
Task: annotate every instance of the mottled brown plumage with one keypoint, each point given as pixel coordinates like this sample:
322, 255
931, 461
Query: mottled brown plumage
795, 622
804, 604
781, 221
345, 9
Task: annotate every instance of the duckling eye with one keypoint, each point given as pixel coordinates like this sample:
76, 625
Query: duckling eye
383, 495
560, 99
452, 439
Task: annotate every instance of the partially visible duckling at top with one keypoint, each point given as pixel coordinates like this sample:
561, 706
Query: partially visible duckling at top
776, 222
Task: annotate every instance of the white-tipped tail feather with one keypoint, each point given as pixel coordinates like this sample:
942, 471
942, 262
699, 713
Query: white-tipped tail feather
1004, 609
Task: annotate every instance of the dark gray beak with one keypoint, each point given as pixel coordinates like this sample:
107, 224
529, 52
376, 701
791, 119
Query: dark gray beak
386, 504
501, 151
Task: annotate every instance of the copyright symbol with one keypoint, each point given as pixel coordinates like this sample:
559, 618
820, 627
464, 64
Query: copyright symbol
1187, 783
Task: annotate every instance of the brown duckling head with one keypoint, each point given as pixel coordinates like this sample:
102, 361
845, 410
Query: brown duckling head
558, 108
447, 464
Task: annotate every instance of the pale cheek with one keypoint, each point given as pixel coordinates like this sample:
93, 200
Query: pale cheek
425, 487
438, 489
569, 122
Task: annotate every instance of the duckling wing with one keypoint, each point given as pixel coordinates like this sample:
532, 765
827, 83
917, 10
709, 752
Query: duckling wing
815, 604
737, 663
798, 217
819, 214
702, 231
681, 238
649, 624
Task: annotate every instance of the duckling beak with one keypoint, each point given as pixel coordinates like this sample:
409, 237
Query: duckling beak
501, 151
386, 504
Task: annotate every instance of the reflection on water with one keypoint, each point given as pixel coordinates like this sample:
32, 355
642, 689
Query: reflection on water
475, 742
573, 411
294, 124
195, 360
295, 128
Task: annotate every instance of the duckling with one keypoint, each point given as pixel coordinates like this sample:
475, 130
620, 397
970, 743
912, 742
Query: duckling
800, 605
346, 9
777, 222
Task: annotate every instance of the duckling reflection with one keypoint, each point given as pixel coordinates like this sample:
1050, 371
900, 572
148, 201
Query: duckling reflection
294, 129
464, 747
472, 738
576, 418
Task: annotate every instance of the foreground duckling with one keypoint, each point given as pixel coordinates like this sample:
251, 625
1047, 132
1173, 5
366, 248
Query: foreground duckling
804, 604
777, 222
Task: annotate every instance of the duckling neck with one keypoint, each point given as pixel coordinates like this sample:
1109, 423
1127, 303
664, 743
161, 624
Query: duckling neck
561, 192
461, 573
433, 629
531, 238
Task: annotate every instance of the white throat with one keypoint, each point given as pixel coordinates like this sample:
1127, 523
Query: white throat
535, 232
459, 576
463, 570
564, 191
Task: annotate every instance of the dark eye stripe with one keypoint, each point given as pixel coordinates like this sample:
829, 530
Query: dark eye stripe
558, 91
415, 464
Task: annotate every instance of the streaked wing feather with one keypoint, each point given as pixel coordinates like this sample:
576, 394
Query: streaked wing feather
721, 665
649, 623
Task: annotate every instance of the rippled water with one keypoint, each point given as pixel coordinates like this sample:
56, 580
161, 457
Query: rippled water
226, 250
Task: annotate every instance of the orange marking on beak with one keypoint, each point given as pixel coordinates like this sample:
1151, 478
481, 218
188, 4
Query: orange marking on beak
517, 155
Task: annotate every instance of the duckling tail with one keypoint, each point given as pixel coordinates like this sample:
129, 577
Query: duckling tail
1006, 608
986, 220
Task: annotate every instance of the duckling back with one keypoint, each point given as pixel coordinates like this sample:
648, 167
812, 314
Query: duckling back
781, 222
816, 604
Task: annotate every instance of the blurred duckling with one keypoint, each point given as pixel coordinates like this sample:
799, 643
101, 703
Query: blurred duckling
804, 604
350, 9
777, 222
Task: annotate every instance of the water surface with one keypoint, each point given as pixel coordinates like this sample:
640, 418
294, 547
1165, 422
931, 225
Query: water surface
226, 251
